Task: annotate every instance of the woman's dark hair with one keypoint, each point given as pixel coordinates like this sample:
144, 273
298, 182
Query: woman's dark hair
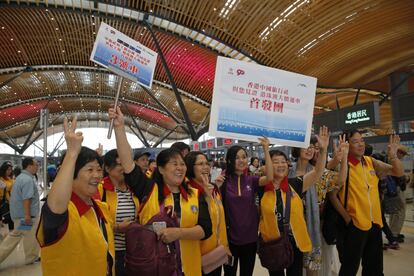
252, 160
180, 146
231, 159
4, 168
190, 160
278, 153
162, 159
351, 133
109, 160
85, 156
296, 151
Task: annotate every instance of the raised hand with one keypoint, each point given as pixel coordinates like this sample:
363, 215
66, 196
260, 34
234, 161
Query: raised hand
323, 137
99, 150
264, 141
341, 150
116, 114
73, 140
205, 179
123, 226
344, 147
220, 180
393, 146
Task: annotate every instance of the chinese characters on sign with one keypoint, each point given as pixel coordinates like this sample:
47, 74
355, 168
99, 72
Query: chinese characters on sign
124, 56
356, 117
251, 100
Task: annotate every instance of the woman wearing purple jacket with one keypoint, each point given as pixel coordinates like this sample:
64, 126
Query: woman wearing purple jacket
239, 199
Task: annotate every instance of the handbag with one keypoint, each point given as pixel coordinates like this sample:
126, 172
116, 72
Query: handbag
146, 254
333, 223
218, 256
278, 254
4, 206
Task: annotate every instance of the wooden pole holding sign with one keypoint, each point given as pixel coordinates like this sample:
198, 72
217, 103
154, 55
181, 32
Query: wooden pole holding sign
111, 123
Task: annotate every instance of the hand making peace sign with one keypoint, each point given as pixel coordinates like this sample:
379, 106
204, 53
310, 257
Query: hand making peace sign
73, 140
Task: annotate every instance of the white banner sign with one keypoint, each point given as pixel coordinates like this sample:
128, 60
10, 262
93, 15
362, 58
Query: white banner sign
124, 56
251, 100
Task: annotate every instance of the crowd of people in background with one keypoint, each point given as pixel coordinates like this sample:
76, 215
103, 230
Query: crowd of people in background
199, 208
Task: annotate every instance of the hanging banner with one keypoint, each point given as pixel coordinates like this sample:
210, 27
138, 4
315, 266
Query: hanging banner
251, 100
124, 56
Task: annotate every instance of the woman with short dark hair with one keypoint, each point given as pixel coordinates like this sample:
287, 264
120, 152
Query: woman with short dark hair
167, 187
122, 204
75, 233
198, 171
273, 201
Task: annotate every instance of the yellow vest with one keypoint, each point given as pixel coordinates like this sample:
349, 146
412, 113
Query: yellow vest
268, 226
363, 203
82, 250
215, 206
190, 259
9, 186
112, 198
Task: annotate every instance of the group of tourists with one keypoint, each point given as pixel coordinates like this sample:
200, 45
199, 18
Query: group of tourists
104, 213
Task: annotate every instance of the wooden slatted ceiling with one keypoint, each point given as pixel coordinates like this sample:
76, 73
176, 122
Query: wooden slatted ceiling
69, 37
341, 22
28, 111
58, 84
303, 29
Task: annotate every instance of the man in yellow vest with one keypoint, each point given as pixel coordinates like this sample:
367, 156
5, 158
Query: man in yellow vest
361, 237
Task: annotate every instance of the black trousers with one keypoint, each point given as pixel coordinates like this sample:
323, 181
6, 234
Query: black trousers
296, 268
354, 245
216, 272
120, 263
386, 229
246, 254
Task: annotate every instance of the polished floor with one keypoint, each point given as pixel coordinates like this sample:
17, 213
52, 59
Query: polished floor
396, 262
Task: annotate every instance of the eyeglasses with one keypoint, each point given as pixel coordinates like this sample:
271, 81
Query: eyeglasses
202, 164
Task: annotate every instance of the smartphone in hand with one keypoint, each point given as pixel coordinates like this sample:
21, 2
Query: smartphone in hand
24, 227
158, 226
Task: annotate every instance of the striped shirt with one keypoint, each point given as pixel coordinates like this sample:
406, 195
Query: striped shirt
125, 210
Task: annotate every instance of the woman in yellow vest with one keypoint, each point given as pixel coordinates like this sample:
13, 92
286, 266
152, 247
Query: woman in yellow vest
74, 232
122, 204
272, 204
167, 187
6, 184
198, 171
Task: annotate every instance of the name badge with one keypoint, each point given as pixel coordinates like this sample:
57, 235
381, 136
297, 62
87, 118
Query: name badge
194, 209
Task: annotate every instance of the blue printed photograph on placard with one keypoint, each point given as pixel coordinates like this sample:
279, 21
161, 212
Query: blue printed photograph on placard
130, 69
278, 127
